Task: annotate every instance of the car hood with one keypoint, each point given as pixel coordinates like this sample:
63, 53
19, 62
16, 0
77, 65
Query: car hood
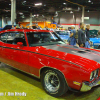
86, 58
95, 40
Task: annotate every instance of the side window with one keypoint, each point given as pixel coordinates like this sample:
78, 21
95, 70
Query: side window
19, 34
13, 38
19, 37
3, 37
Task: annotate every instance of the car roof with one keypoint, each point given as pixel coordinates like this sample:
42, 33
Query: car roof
25, 30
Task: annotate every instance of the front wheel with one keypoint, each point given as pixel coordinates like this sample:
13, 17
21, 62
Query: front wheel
53, 82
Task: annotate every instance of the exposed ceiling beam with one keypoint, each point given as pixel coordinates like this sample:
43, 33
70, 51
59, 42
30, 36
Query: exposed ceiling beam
75, 3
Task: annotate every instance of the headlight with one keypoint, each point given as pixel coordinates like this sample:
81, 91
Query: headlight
94, 74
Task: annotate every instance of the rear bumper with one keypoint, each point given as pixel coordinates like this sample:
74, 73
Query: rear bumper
86, 86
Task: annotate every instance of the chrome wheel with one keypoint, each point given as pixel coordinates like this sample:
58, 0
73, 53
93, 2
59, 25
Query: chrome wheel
52, 82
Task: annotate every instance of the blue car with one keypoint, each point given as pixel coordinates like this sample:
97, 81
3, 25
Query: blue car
0, 29
64, 35
6, 27
95, 39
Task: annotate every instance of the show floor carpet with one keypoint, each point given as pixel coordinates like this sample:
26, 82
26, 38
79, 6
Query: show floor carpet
12, 80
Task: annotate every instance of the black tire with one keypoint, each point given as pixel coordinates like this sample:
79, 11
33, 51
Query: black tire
61, 87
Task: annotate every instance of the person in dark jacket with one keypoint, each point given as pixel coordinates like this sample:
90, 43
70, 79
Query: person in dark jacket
81, 36
87, 43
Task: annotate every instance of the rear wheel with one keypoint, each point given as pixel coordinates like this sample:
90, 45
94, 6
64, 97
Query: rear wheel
53, 82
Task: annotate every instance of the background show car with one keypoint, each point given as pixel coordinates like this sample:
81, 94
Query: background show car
95, 39
64, 35
45, 55
6, 27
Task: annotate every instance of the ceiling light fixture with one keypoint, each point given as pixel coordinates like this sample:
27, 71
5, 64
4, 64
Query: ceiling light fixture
67, 8
79, 8
38, 4
64, 3
23, 16
29, 7
21, 13
71, 12
88, 11
24, 2
89, 1
92, 3
42, 15
35, 15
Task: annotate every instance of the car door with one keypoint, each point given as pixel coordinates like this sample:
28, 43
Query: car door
5, 52
3, 38
13, 54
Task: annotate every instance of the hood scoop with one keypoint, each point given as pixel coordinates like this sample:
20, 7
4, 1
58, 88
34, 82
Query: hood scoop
82, 51
76, 46
88, 50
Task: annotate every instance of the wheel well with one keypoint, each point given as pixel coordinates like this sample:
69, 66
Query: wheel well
44, 68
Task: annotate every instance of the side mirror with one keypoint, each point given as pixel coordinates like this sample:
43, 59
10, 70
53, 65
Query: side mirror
20, 44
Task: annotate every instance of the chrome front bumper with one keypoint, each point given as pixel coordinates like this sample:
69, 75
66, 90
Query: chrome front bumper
87, 86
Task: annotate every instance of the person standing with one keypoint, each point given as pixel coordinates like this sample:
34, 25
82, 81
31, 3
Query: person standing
87, 43
21, 27
13, 27
81, 36
51, 29
72, 39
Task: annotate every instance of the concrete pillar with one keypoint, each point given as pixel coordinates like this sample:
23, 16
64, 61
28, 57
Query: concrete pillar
13, 11
83, 9
2, 21
99, 20
44, 24
73, 18
31, 19
58, 19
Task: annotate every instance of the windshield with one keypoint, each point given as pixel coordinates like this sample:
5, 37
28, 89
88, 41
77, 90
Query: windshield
43, 38
62, 32
94, 34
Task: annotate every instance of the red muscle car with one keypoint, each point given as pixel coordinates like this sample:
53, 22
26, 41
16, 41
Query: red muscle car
43, 54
